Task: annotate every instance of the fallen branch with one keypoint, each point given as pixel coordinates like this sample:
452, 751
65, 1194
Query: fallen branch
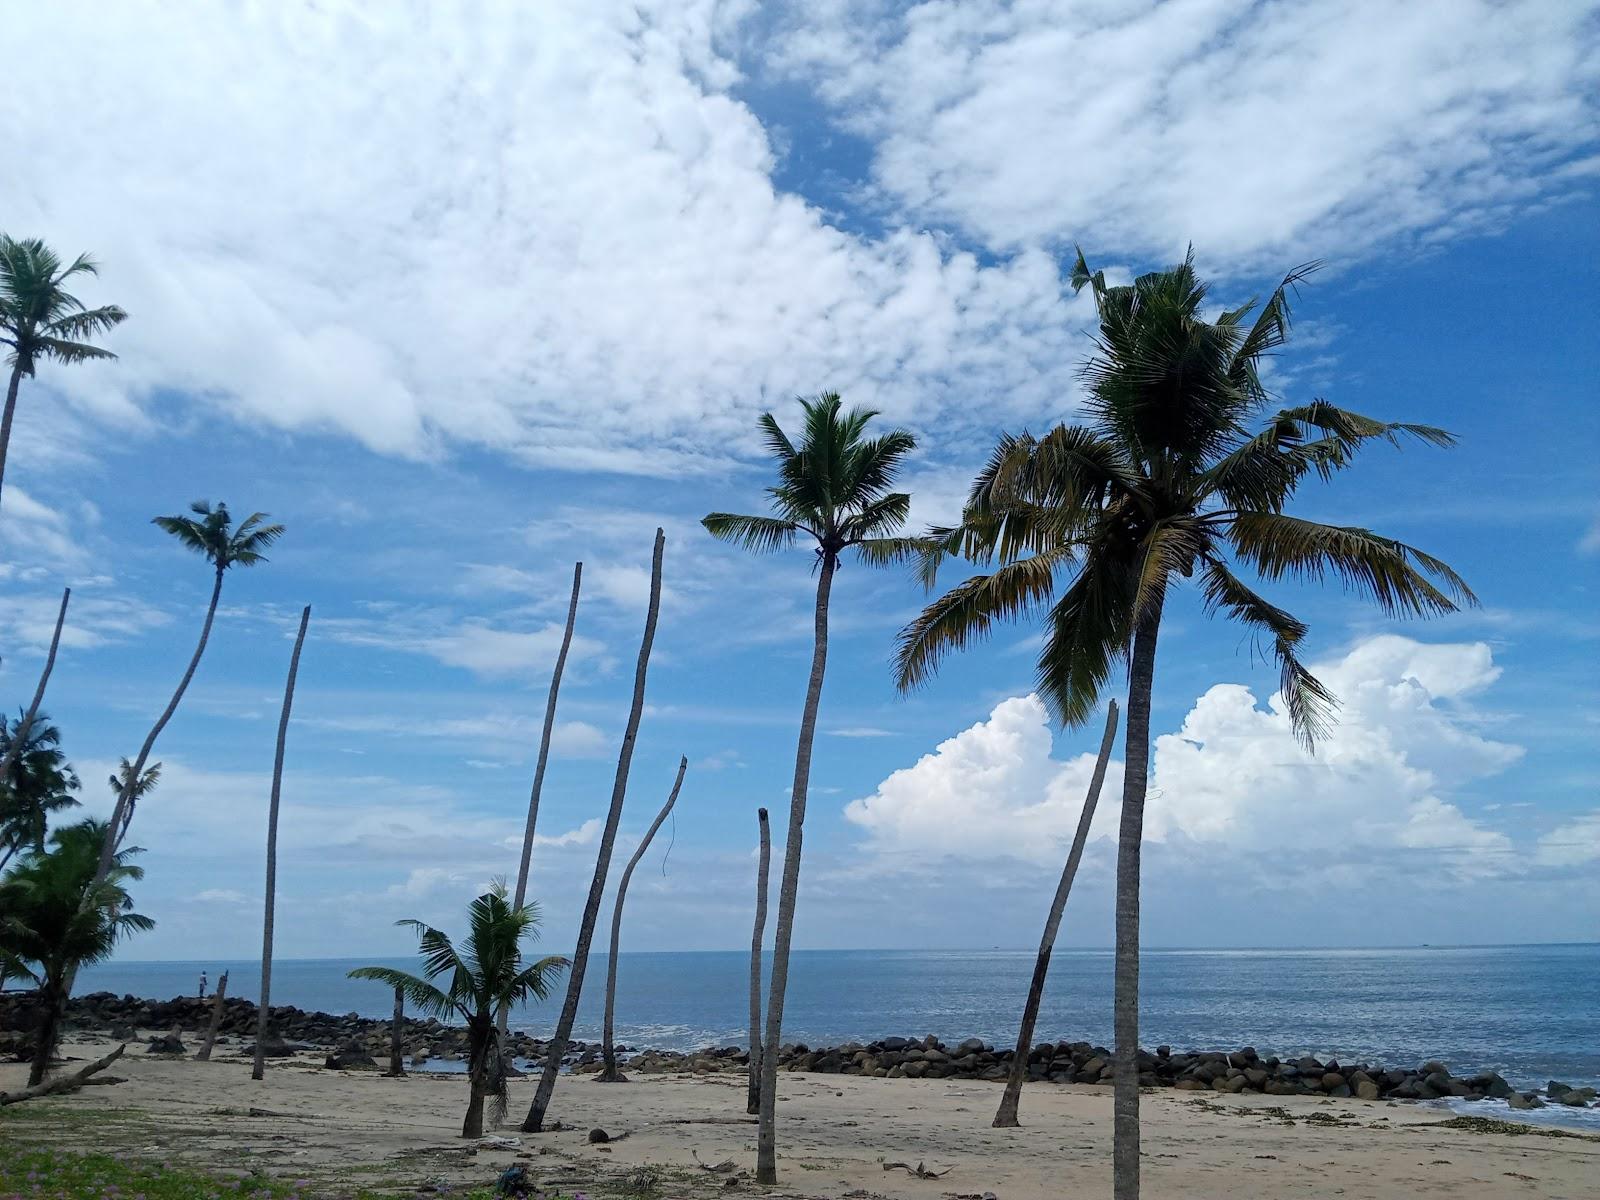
711, 1121
725, 1167
920, 1171
62, 1083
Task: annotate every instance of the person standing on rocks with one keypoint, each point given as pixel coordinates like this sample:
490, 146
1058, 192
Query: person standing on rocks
201, 994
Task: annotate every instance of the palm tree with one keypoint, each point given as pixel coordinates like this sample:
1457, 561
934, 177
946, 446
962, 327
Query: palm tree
763, 869
37, 783
55, 918
20, 736
557, 1046
137, 790
1005, 1116
1164, 482
544, 752
833, 488
485, 975
40, 319
608, 1051
211, 534
269, 908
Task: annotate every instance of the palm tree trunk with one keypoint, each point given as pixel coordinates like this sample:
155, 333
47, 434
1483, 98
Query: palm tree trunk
10, 411
478, 1051
20, 738
1006, 1117
753, 1102
789, 888
1130, 839
216, 1019
501, 1019
117, 829
609, 1073
258, 1070
397, 1034
51, 1004
534, 1121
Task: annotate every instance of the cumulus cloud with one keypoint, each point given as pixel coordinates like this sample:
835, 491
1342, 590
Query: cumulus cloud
1258, 130
1232, 776
553, 232
1573, 844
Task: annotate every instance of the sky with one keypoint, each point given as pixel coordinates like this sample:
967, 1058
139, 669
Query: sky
464, 294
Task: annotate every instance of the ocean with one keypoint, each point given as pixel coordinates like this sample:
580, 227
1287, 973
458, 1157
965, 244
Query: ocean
1530, 1012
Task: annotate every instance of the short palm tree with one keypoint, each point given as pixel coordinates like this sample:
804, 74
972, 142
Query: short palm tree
122, 780
833, 489
1167, 481
40, 319
485, 974
210, 532
38, 783
55, 919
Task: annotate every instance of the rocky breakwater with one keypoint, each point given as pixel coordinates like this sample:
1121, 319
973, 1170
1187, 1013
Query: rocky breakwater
1233, 1072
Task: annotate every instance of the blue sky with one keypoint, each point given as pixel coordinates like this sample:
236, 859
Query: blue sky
461, 300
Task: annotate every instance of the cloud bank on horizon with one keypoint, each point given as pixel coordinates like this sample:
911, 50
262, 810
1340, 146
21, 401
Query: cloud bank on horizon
483, 296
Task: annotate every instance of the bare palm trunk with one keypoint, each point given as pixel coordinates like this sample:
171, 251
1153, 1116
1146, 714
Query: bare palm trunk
258, 1070
117, 829
789, 888
479, 1049
753, 1102
1130, 839
544, 757
609, 1073
1006, 1117
216, 1019
397, 1034
534, 1121
20, 738
51, 1005
5, 420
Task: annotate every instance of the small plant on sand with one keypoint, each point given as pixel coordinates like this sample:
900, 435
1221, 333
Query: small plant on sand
486, 974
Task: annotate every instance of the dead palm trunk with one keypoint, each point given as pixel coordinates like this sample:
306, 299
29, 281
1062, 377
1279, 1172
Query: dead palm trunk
10, 412
753, 1103
216, 1019
259, 1069
20, 738
117, 828
788, 890
397, 1033
1006, 1117
609, 1073
544, 756
534, 1121
1130, 838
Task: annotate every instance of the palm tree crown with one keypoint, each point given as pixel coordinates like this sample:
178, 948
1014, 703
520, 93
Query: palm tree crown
211, 534
38, 783
1167, 480
39, 318
833, 486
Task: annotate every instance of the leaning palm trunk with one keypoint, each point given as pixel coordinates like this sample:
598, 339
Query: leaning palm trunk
544, 756
1130, 837
1006, 1117
118, 827
258, 1070
20, 738
753, 1103
788, 890
212, 1029
609, 1073
5, 420
534, 1121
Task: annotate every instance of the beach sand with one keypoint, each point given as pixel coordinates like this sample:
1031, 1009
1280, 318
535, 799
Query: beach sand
836, 1133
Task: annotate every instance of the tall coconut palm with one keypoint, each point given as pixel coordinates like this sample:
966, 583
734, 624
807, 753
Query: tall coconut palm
37, 783
55, 917
608, 1049
20, 735
210, 533
137, 789
557, 1045
833, 488
481, 977
270, 906
1167, 480
40, 319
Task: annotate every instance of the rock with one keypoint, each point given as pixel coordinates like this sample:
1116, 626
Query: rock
598, 1137
973, 1046
1332, 1080
1522, 1101
1439, 1081
1366, 1089
1491, 1084
121, 1031
273, 1046
166, 1043
1433, 1067
1190, 1085
895, 1043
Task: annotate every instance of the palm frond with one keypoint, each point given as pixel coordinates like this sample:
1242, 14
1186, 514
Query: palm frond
64, 351
1087, 634
760, 534
92, 322
419, 993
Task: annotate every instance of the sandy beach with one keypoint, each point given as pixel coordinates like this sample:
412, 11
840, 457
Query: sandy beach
837, 1136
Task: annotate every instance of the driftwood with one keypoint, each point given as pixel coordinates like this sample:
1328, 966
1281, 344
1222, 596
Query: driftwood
920, 1171
62, 1083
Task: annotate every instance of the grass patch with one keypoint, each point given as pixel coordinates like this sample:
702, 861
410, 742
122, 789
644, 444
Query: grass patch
48, 1174
1514, 1128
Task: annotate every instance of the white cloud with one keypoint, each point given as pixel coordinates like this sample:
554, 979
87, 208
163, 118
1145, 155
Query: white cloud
552, 232
1589, 543
1573, 844
220, 896
1233, 776
1259, 130
583, 835
859, 731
